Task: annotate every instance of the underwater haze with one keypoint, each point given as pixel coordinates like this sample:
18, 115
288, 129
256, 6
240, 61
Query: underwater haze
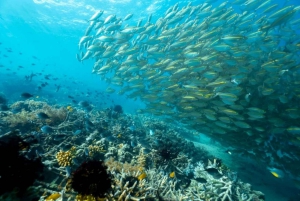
183, 100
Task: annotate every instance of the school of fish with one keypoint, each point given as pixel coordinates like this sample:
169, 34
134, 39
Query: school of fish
229, 71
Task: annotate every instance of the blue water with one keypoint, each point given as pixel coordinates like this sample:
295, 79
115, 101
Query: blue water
42, 37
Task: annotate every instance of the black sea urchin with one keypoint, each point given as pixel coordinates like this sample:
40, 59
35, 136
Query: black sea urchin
167, 154
91, 178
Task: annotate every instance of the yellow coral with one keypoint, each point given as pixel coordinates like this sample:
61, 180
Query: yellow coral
65, 158
88, 198
118, 166
94, 150
141, 159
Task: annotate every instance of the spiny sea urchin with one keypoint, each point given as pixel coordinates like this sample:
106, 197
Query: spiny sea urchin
167, 154
91, 178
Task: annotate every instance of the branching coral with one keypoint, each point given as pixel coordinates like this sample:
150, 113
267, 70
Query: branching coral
116, 129
94, 150
127, 187
219, 189
57, 115
28, 114
200, 173
34, 105
65, 158
111, 152
227, 191
29, 105
92, 136
88, 198
118, 166
141, 158
22, 118
124, 154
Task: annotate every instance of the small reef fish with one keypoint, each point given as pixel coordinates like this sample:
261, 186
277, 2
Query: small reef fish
53, 196
228, 152
42, 115
142, 176
84, 104
133, 143
172, 174
26, 95
46, 129
68, 171
208, 66
69, 108
77, 132
276, 172
88, 125
86, 151
97, 14
59, 137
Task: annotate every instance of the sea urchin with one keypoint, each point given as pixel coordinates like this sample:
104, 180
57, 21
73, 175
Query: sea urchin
91, 178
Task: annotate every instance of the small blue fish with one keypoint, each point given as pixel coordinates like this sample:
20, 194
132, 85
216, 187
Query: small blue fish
86, 151
46, 129
77, 132
151, 132
84, 104
42, 115
37, 153
133, 143
88, 125
26, 95
68, 171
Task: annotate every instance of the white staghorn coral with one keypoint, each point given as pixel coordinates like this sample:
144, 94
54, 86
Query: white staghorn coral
199, 172
227, 193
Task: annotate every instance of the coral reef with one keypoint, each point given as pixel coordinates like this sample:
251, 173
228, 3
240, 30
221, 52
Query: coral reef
65, 158
95, 150
20, 120
117, 166
222, 189
24, 116
56, 115
146, 158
